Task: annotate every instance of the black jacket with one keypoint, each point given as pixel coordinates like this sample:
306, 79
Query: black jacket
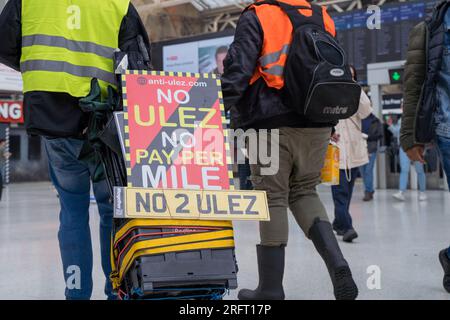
373, 127
254, 106
57, 114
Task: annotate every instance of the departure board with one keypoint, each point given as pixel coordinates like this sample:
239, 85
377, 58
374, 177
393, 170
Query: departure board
390, 43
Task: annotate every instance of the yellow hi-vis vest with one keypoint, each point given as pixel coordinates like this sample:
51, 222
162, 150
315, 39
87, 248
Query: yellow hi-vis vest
66, 43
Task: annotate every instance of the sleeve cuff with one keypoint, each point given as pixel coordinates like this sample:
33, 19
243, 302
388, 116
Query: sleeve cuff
407, 143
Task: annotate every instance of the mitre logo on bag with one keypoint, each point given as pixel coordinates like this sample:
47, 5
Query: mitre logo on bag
335, 110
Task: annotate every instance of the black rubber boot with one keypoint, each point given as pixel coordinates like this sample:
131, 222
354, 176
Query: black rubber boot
368, 196
445, 262
321, 234
271, 271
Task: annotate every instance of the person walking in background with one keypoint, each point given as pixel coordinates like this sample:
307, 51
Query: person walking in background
427, 97
353, 155
373, 129
405, 167
244, 176
243, 166
3, 157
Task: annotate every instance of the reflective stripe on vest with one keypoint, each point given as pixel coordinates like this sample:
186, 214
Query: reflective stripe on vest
273, 57
275, 70
278, 38
72, 45
66, 43
61, 66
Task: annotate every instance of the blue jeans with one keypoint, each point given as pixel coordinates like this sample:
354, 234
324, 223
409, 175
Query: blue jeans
367, 173
342, 197
1, 183
405, 165
72, 180
444, 149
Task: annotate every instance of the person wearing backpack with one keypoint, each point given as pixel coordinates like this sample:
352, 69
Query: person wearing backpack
270, 86
426, 110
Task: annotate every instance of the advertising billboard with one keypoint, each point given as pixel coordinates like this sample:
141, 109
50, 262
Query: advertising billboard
10, 80
204, 56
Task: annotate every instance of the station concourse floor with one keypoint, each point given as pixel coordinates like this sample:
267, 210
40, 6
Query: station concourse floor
401, 239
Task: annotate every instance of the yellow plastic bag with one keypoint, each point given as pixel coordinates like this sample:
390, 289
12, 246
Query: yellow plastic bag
330, 171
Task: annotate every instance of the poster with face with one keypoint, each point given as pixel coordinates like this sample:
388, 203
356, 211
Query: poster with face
198, 56
212, 53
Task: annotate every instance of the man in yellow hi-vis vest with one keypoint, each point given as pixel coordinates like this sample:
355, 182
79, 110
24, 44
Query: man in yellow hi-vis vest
60, 46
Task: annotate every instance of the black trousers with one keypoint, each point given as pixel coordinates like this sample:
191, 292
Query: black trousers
342, 197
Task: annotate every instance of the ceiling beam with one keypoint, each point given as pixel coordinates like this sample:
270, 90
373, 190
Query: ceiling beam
143, 6
160, 4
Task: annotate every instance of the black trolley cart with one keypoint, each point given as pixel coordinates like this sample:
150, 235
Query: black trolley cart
157, 259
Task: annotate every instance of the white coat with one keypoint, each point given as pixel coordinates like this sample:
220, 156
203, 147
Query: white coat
352, 142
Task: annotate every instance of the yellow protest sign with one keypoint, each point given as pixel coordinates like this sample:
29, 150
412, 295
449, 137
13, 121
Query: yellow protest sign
143, 203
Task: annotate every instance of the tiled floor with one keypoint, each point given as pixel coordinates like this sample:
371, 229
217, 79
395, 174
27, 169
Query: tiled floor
401, 239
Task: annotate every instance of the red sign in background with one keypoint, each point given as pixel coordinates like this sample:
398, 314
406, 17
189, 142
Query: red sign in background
11, 111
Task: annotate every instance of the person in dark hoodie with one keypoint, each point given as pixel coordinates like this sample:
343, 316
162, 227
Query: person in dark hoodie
373, 129
60, 46
250, 92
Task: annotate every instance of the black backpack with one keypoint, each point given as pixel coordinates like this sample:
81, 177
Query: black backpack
318, 82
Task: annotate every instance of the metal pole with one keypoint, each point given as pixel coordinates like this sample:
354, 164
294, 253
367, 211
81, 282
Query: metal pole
7, 159
446, 182
380, 164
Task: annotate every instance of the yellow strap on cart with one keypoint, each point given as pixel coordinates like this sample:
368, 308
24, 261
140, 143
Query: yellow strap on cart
215, 239
114, 276
136, 223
